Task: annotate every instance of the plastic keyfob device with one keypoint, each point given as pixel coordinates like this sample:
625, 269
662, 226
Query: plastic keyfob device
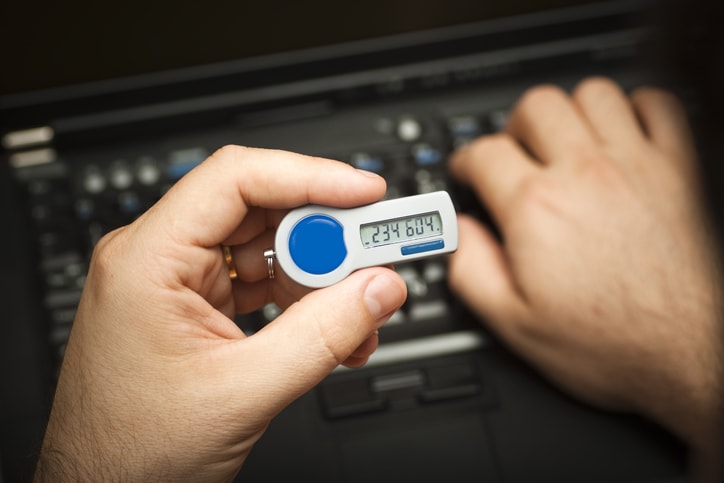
317, 245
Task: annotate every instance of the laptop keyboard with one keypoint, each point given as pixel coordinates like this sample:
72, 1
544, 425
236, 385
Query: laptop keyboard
73, 203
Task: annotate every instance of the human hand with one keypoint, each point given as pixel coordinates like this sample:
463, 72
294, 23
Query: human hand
157, 381
606, 276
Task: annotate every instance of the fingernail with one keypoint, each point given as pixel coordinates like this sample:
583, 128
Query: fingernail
383, 295
368, 173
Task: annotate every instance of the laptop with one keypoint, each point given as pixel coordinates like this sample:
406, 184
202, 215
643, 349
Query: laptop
101, 117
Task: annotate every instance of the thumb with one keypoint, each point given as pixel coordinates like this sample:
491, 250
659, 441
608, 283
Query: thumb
479, 273
313, 336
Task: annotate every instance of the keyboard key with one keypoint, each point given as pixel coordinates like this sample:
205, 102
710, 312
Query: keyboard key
59, 334
426, 155
498, 119
416, 286
184, 160
84, 209
397, 318
129, 203
464, 129
120, 175
62, 298
63, 317
176, 171
350, 398
148, 171
94, 181
434, 272
409, 129
367, 162
271, 312
433, 309
451, 381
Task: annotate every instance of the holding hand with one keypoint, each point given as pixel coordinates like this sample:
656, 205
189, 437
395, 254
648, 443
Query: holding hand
157, 381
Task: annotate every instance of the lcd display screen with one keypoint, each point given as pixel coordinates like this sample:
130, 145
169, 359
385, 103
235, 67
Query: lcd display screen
401, 229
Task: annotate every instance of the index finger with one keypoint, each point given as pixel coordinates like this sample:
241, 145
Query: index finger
208, 204
495, 166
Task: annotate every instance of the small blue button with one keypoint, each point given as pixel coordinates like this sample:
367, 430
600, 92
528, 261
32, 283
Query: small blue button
426, 155
368, 162
423, 247
316, 244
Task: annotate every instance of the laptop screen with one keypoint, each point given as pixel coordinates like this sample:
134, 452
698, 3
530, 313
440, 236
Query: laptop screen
79, 42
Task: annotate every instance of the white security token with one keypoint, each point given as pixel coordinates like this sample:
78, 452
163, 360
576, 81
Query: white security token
317, 245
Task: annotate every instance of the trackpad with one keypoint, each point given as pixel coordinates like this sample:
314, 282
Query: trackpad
449, 447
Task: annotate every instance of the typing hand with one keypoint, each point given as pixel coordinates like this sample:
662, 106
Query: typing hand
605, 278
158, 383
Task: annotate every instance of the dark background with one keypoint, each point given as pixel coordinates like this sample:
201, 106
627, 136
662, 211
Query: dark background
47, 44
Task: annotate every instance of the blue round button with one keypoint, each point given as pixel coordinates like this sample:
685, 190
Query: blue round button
316, 244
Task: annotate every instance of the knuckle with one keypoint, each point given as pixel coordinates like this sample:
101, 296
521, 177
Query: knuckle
496, 143
541, 97
536, 105
654, 95
596, 88
482, 153
228, 152
106, 252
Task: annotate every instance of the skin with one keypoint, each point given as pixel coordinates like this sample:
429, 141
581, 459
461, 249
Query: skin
606, 277
157, 381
